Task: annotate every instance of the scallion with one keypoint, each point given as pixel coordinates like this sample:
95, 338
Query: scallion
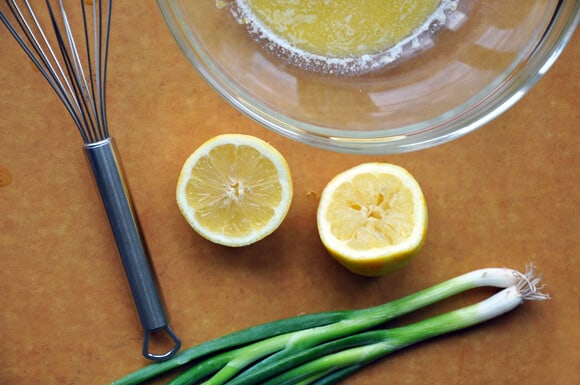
323, 348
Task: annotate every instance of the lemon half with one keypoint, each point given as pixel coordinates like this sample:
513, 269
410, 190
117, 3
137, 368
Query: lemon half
235, 189
373, 218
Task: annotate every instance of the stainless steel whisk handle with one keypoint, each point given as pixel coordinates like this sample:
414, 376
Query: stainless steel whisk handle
109, 177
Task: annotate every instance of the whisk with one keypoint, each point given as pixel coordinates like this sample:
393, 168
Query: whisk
78, 75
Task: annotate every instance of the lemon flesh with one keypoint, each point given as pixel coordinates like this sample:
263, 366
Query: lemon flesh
373, 218
235, 190
342, 28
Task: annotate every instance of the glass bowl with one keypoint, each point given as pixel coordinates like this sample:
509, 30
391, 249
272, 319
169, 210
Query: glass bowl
482, 59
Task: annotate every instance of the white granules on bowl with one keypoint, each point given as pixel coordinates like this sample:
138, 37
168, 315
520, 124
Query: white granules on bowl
420, 39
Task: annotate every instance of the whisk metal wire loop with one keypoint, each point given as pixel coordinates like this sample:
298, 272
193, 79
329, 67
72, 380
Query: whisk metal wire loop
84, 100
82, 90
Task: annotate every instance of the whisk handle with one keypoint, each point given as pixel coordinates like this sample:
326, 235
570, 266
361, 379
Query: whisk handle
107, 170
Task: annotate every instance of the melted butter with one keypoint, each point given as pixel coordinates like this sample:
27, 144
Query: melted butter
343, 28
342, 36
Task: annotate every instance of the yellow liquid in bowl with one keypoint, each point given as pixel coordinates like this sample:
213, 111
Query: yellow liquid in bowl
341, 36
343, 28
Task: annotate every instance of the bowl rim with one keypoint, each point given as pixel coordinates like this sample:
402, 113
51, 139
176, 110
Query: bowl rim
510, 87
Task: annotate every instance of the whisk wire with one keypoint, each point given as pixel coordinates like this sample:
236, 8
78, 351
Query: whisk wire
35, 51
101, 51
94, 75
83, 93
101, 57
84, 90
105, 60
75, 74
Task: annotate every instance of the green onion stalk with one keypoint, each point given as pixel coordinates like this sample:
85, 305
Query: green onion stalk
323, 348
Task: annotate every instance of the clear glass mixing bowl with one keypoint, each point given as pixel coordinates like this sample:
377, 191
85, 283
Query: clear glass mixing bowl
484, 58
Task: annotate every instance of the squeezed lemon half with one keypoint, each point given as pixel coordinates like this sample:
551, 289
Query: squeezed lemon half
373, 218
234, 190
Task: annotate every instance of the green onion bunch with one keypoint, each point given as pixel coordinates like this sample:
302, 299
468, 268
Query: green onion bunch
324, 348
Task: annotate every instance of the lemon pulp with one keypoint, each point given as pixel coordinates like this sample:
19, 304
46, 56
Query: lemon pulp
372, 218
371, 211
234, 189
343, 28
229, 196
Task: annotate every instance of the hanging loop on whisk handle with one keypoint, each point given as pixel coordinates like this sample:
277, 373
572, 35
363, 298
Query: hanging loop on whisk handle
109, 177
